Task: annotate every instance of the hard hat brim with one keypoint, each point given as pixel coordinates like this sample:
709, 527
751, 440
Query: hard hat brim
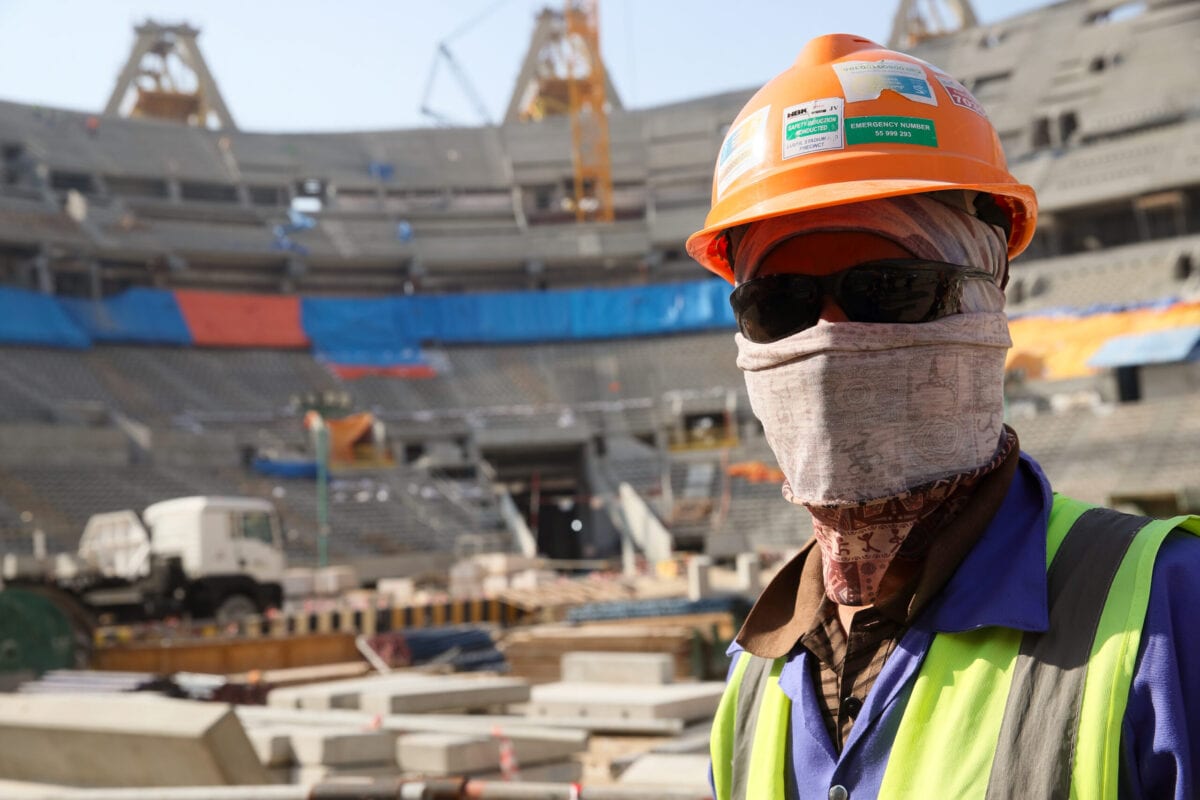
1019, 200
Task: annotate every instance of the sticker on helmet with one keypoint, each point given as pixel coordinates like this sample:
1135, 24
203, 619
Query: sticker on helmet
891, 130
745, 146
959, 94
813, 127
866, 80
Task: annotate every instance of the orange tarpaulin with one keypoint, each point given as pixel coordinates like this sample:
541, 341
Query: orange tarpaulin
352, 439
228, 319
1059, 346
755, 472
344, 434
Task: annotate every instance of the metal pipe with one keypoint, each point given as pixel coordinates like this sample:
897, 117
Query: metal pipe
277, 792
500, 790
437, 789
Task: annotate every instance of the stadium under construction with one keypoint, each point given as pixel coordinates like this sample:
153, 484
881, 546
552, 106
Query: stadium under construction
479, 379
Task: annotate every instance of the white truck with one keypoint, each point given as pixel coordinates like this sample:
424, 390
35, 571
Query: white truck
203, 557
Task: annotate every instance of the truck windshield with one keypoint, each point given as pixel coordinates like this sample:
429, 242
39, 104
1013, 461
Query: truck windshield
257, 525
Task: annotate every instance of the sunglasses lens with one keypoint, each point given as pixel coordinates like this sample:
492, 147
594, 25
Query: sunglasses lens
890, 294
772, 308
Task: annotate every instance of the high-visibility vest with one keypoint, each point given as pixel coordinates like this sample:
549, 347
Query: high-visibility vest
993, 713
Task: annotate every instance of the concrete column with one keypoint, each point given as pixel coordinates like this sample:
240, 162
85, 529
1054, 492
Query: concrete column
749, 573
697, 574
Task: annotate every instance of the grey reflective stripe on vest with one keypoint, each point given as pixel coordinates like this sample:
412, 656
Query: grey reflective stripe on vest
1036, 750
750, 695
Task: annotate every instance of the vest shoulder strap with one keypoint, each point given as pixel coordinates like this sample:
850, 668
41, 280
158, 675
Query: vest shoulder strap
1035, 751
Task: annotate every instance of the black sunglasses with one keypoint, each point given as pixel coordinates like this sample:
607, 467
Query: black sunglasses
901, 290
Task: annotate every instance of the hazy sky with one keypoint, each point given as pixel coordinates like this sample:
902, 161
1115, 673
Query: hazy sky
359, 64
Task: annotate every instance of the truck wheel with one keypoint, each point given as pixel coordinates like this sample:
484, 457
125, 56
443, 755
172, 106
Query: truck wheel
235, 607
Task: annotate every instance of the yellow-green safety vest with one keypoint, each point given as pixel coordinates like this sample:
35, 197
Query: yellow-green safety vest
993, 713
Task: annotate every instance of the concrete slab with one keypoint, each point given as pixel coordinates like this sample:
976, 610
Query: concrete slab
459, 753
124, 740
280, 774
273, 745
512, 723
633, 668
337, 747
444, 693
446, 754
558, 772
21, 790
683, 771
280, 745
323, 773
404, 693
682, 701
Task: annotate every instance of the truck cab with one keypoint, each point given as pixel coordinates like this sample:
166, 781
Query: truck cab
218, 536
218, 557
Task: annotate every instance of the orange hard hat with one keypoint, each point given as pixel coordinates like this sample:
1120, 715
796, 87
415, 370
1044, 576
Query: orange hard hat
853, 121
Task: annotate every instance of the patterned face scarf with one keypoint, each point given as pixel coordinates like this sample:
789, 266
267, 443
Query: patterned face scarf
878, 426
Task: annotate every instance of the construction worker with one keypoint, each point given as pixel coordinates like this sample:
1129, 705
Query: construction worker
953, 629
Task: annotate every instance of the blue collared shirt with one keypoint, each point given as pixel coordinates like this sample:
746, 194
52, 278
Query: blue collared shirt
1002, 581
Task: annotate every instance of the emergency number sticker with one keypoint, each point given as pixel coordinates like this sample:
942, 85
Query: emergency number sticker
866, 80
813, 127
745, 147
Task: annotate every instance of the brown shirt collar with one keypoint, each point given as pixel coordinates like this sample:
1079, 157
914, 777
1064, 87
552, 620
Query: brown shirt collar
789, 607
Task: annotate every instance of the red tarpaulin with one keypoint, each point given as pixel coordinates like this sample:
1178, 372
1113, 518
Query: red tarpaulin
348, 372
228, 319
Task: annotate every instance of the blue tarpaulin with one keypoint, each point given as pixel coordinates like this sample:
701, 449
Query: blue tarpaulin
33, 318
386, 331
650, 310
382, 331
1156, 347
284, 469
500, 317
376, 331
144, 316
398, 356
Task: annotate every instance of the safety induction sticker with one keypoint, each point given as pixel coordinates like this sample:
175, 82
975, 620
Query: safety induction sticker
893, 130
813, 127
866, 80
745, 147
959, 94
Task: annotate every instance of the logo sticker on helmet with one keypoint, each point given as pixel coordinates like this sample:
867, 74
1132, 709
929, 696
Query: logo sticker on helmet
891, 130
813, 127
866, 80
745, 147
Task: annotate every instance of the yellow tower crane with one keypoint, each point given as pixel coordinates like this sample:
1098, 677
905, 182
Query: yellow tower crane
588, 108
564, 75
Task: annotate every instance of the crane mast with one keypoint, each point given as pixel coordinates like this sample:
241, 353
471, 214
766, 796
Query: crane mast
588, 110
